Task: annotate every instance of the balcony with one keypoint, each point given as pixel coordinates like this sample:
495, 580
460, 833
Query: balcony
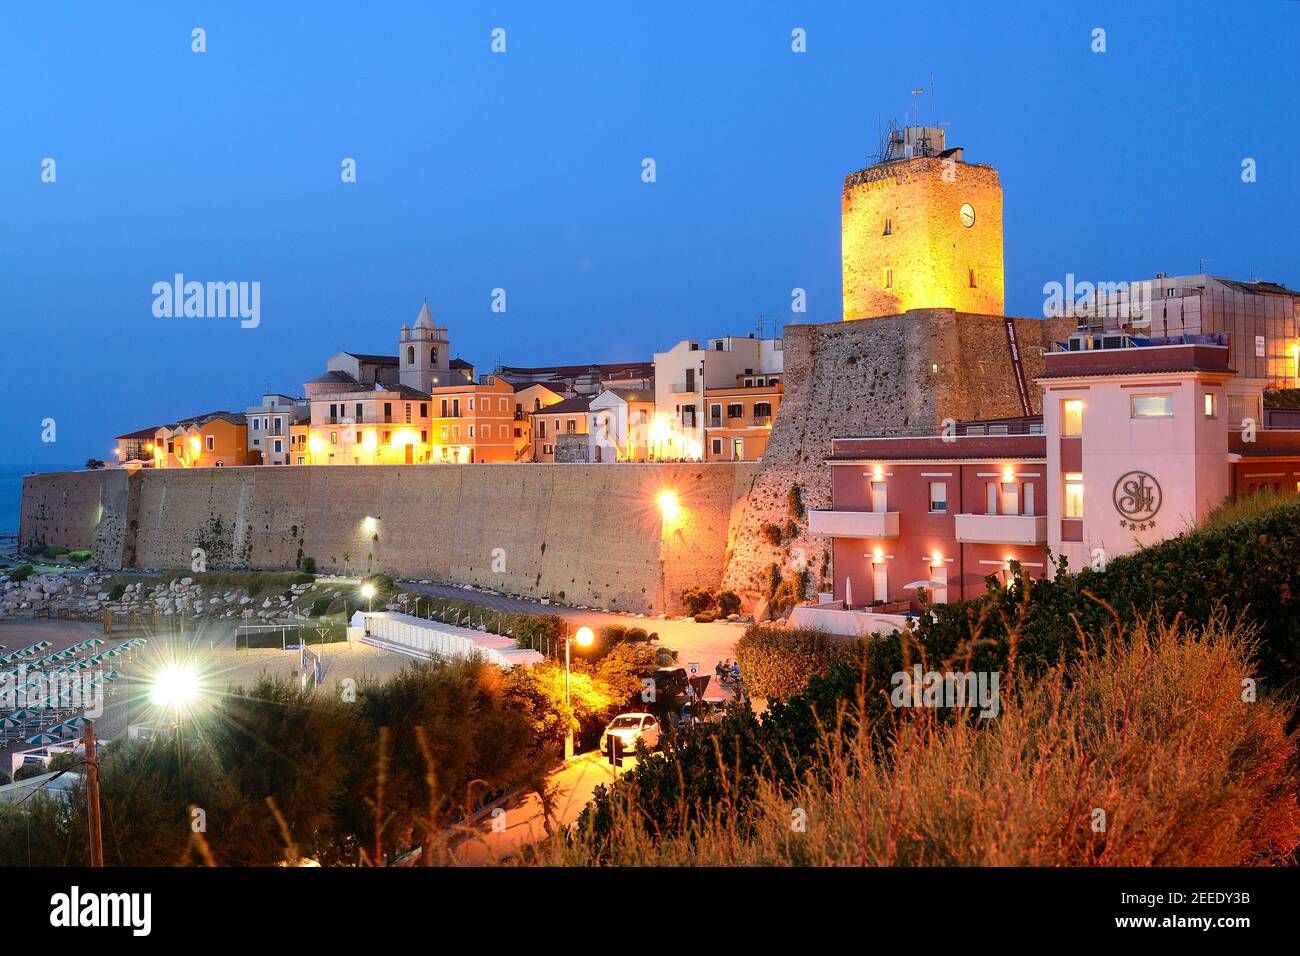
714, 422
1001, 529
854, 524
679, 388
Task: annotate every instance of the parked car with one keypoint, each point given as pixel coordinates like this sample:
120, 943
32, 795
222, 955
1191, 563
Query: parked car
670, 681
630, 728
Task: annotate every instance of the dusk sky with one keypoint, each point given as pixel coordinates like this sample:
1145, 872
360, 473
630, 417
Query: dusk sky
522, 171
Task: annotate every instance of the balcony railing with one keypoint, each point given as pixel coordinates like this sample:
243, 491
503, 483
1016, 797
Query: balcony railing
680, 387
854, 524
1001, 529
714, 422
761, 420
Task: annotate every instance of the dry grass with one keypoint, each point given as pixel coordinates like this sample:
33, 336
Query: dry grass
1151, 729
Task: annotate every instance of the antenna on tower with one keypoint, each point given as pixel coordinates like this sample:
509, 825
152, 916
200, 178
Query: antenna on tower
1203, 261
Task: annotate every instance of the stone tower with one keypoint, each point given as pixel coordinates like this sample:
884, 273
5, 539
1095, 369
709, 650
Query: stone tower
424, 353
922, 229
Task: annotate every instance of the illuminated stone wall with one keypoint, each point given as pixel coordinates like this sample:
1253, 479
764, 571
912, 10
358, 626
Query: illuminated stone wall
585, 534
930, 251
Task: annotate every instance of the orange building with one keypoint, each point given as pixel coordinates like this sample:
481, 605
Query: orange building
530, 397
473, 422
214, 440
738, 419
554, 422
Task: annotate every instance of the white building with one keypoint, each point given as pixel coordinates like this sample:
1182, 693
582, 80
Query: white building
269, 424
683, 373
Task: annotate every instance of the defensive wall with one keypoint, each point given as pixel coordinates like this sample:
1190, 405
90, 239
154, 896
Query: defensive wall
582, 534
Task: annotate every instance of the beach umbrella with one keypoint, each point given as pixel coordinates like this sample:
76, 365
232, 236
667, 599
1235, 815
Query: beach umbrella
112, 675
25, 714
10, 722
76, 723
848, 591
42, 644
46, 738
94, 642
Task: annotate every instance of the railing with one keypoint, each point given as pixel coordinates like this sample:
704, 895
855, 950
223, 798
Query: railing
714, 422
680, 387
761, 420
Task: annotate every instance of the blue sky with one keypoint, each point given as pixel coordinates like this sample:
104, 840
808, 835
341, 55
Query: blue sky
522, 171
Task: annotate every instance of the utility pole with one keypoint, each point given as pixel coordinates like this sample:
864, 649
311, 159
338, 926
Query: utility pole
92, 796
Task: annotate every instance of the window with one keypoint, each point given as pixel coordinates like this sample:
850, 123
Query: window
991, 499
1010, 498
1027, 499
938, 496
211, 442
1073, 495
971, 273
880, 581
1151, 406
279, 446
889, 226
1210, 405
939, 575
889, 278
471, 428
433, 355
410, 355
424, 436
879, 497
424, 409
762, 409
717, 446
735, 410
471, 404
1072, 418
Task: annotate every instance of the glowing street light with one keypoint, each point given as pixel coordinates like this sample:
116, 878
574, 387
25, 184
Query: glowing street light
668, 505
583, 638
175, 687
368, 592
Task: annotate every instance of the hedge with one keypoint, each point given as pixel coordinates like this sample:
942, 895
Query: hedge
778, 662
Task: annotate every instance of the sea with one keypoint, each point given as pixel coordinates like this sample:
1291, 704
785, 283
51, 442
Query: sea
11, 491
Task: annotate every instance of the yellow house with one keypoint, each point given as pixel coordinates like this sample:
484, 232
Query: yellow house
214, 440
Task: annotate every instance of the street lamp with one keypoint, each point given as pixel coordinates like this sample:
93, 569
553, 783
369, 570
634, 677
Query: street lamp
584, 638
368, 592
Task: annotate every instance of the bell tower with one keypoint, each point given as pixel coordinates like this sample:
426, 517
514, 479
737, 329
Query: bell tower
423, 353
921, 229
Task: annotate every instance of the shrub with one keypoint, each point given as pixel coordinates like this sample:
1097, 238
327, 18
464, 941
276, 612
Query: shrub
79, 557
772, 532
728, 603
794, 503
302, 578
29, 770
320, 607
778, 662
791, 530
21, 573
116, 591
309, 565
707, 617
697, 599
54, 551
637, 635
771, 580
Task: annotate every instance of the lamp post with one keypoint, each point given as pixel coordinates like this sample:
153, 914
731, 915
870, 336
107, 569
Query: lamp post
368, 592
584, 637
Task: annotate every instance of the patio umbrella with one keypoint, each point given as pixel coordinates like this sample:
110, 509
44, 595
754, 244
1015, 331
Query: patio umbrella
10, 722
25, 714
76, 723
928, 585
112, 675
42, 644
94, 642
848, 591
45, 738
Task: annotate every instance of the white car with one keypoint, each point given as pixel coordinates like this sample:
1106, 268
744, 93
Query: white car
630, 728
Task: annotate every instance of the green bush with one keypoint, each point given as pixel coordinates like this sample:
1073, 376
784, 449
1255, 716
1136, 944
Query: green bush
697, 599
302, 578
309, 565
79, 557
707, 617
636, 635
116, 591
777, 662
21, 573
36, 549
728, 603
320, 606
